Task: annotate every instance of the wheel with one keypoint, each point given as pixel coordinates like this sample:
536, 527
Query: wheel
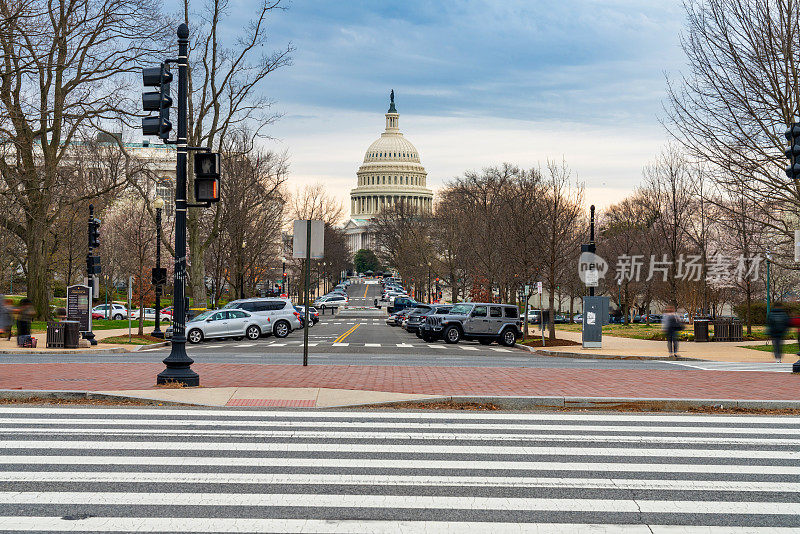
282, 329
253, 332
194, 336
485, 341
118, 317
237, 338
419, 334
428, 338
452, 334
508, 338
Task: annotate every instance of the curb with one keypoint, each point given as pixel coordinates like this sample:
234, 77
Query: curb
34, 352
564, 354
153, 346
503, 402
604, 403
68, 394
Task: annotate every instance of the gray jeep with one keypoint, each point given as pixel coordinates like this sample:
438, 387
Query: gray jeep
485, 322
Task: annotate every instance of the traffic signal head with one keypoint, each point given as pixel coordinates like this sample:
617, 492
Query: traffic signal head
92, 265
157, 101
94, 232
206, 176
793, 153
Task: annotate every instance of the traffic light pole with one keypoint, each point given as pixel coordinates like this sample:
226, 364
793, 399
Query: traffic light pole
178, 362
90, 282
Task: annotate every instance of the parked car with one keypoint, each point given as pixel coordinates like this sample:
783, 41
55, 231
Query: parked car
416, 316
150, 315
111, 311
560, 319
280, 315
313, 314
331, 301
396, 318
96, 316
400, 303
167, 311
577, 318
224, 323
484, 322
415, 320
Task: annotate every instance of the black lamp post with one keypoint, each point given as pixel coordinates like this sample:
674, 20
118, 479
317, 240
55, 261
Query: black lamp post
158, 204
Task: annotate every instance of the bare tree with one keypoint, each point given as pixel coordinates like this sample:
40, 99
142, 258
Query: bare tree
225, 98
64, 68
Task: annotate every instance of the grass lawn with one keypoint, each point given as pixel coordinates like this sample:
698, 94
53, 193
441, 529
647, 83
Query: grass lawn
38, 327
135, 340
654, 332
787, 348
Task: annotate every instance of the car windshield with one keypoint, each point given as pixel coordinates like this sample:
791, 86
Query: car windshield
205, 315
461, 309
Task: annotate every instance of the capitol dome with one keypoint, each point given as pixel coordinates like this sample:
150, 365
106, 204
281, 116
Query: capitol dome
391, 173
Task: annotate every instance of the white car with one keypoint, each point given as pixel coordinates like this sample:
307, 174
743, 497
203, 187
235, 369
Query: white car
149, 315
112, 311
331, 301
224, 323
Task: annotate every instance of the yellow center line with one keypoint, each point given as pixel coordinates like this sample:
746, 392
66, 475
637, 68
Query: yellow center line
340, 338
365, 291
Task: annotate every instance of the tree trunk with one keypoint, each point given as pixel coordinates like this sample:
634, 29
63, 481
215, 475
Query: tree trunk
38, 280
552, 304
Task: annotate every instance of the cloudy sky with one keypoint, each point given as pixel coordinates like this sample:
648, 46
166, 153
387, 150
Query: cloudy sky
477, 83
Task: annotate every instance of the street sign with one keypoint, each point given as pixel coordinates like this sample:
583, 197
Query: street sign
527, 290
539, 287
592, 277
78, 305
317, 239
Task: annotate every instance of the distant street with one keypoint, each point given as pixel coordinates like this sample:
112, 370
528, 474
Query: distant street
185, 470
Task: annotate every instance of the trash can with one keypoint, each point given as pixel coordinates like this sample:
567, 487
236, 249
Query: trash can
55, 335
71, 334
701, 330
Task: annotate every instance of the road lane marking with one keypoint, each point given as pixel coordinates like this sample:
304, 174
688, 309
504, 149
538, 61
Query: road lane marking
496, 349
469, 348
404, 345
372, 344
365, 291
335, 344
343, 336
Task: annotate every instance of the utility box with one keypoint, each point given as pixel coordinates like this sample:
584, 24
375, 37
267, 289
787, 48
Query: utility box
595, 315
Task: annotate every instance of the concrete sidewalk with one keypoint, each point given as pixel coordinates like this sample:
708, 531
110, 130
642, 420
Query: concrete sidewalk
642, 348
10, 346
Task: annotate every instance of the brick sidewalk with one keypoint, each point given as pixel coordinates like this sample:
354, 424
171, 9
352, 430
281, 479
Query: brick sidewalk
683, 384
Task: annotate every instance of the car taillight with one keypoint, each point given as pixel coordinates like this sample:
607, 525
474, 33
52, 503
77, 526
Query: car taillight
297, 315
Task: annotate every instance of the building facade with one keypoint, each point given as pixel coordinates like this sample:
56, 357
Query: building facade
390, 174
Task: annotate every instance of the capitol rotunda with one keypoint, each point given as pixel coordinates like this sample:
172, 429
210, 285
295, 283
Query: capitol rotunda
390, 174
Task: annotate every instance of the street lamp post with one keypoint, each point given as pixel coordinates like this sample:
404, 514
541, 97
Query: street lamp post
241, 270
429, 282
11, 289
158, 204
621, 307
769, 260
178, 363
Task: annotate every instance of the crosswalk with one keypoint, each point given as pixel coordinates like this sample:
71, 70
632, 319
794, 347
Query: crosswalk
769, 367
330, 343
200, 470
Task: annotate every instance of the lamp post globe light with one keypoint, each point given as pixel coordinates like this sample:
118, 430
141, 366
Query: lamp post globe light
158, 204
769, 260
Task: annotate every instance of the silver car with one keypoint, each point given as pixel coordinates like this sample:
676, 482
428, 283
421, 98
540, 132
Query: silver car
224, 323
279, 314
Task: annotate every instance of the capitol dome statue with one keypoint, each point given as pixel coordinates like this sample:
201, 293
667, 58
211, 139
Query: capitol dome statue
390, 174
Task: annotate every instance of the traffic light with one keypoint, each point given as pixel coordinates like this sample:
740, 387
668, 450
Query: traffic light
206, 176
157, 101
92, 265
94, 232
793, 153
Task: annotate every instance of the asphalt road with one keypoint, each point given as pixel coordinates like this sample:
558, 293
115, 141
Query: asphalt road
361, 337
82, 469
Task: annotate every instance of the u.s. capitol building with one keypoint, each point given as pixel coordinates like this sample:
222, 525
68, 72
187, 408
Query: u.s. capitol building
390, 174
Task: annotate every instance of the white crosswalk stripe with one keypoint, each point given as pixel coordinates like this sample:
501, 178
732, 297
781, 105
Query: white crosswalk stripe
207, 470
785, 367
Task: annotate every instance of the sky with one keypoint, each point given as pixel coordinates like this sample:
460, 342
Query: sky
477, 83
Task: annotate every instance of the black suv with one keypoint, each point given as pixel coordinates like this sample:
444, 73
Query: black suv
485, 322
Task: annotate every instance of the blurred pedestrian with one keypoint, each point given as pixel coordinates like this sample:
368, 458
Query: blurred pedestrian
671, 325
6, 317
25, 314
777, 325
